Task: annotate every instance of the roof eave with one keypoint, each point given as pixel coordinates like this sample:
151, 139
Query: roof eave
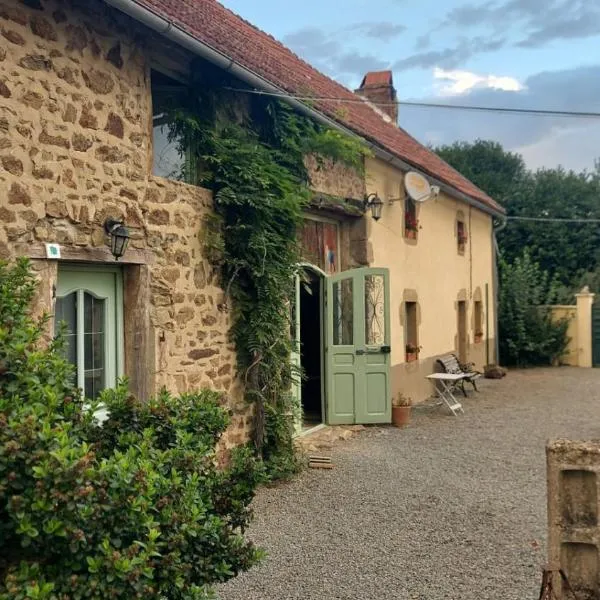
169, 29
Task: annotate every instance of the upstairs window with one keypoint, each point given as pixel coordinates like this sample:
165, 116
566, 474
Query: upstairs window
411, 332
461, 236
411, 224
171, 157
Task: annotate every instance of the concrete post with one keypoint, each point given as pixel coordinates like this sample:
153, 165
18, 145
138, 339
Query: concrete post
573, 528
585, 300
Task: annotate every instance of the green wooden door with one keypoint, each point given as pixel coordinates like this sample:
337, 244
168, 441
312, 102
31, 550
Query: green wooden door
358, 350
596, 335
89, 301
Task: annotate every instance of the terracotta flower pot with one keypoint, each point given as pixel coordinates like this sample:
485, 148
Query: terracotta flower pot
411, 234
400, 415
478, 338
411, 356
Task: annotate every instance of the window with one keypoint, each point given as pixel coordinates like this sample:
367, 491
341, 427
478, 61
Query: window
478, 318
461, 236
88, 307
411, 224
411, 335
170, 157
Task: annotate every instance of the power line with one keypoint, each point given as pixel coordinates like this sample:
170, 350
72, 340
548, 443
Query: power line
496, 109
552, 220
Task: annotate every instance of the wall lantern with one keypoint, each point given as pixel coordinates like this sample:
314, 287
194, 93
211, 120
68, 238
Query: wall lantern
375, 203
119, 237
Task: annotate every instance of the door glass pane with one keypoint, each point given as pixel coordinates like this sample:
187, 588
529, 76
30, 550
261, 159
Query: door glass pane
94, 348
66, 314
374, 310
343, 313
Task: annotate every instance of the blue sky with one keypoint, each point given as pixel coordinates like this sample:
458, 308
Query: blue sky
518, 53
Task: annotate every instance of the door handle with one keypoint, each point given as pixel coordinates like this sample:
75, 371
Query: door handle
386, 349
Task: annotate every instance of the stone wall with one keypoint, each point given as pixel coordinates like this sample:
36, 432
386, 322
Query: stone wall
335, 179
75, 148
574, 531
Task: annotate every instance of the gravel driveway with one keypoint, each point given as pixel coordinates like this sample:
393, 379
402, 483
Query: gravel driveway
448, 508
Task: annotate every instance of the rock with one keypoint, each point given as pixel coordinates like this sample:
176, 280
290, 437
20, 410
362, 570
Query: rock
19, 195
7, 216
3, 125
36, 62
209, 320
4, 90
56, 208
494, 372
137, 139
98, 81
110, 154
42, 173
76, 39
12, 13
114, 56
42, 28
13, 165
115, 126
32, 99
14, 37
2, 54
88, 119
69, 75
54, 140
201, 353
185, 315
70, 114
127, 193
81, 143
159, 217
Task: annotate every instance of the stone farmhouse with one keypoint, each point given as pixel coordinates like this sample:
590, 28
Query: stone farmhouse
82, 144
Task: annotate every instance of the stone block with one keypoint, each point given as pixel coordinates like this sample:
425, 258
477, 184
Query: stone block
13, 165
574, 531
43, 28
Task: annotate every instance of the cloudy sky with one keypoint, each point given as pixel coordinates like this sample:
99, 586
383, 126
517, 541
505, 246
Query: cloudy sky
516, 53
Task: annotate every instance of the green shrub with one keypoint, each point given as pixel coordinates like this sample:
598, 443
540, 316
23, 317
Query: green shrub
131, 508
527, 333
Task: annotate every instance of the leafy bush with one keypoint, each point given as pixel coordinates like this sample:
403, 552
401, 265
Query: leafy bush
528, 334
133, 508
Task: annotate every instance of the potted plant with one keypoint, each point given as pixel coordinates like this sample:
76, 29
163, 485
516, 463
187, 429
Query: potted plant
478, 336
412, 352
401, 408
411, 227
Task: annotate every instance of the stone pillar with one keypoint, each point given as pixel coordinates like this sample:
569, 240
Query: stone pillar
574, 532
585, 300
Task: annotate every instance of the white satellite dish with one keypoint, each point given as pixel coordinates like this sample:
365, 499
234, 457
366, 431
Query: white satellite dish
417, 187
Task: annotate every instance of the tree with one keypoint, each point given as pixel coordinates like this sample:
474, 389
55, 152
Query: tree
528, 334
132, 508
569, 252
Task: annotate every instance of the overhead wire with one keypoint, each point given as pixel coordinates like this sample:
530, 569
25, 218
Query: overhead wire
496, 109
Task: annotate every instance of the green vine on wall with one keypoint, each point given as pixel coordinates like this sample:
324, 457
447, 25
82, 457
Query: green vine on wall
252, 155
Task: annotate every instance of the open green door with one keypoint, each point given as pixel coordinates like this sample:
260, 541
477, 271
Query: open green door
295, 357
358, 347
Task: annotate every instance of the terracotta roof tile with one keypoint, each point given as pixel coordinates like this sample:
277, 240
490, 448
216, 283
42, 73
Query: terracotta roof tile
218, 27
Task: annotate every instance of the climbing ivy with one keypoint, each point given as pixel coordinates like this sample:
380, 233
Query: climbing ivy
252, 155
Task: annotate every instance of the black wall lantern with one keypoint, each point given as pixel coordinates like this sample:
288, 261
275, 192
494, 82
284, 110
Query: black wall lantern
375, 203
119, 237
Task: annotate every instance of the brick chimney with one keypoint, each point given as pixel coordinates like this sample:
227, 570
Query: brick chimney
378, 87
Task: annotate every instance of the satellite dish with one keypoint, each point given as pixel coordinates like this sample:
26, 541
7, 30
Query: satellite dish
417, 187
